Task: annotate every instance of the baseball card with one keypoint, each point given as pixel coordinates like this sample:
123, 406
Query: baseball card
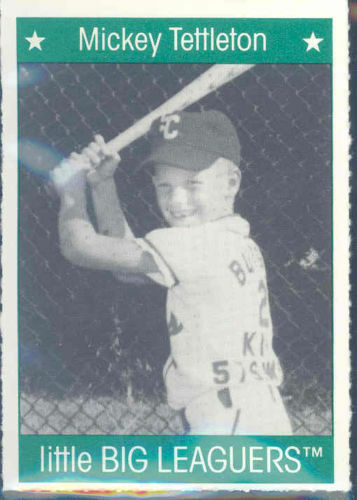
175, 249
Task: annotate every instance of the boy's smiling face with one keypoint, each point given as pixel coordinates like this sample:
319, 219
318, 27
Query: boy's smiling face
188, 198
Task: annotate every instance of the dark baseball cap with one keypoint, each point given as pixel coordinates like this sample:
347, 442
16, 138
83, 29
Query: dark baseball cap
193, 141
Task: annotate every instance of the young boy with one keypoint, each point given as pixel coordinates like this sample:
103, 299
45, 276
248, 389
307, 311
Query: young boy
222, 369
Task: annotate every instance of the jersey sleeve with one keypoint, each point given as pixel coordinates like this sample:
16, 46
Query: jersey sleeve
181, 254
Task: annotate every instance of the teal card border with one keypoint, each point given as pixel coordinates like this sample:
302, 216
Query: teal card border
284, 40
177, 459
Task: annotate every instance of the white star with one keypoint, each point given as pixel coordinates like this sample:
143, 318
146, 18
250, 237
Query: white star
313, 42
35, 41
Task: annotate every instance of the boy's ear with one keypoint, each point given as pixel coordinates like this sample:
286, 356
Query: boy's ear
234, 181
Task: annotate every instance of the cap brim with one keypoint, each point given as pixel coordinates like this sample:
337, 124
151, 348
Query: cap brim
185, 157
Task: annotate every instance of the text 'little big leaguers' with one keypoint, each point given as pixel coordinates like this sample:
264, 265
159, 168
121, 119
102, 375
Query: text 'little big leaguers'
222, 372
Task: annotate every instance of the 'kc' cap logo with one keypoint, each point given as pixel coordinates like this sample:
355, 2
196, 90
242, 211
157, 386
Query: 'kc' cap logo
168, 131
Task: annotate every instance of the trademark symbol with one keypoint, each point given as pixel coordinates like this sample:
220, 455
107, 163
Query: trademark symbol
311, 451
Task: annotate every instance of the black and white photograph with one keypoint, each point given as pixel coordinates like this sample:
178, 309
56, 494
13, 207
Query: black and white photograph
175, 272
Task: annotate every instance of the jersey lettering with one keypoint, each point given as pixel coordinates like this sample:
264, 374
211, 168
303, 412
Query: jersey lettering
248, 263
238, 271
221, 372
247, 343
167, 131
224, 396
254, 370
233, 372
240, 376
269, 369
262, 342
263, 320
255, 344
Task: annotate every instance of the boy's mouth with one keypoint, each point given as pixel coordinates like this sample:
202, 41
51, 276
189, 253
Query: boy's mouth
181, 215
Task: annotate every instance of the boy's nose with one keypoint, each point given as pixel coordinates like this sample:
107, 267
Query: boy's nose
179, 196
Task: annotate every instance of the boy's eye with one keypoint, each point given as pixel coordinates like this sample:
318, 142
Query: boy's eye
194, 182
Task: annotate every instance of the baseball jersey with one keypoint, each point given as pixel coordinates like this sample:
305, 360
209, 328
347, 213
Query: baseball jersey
218, 312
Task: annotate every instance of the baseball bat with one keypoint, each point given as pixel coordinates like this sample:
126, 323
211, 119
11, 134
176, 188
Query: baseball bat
207, 82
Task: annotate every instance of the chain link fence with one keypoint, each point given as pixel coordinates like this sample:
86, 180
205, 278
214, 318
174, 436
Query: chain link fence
92, 349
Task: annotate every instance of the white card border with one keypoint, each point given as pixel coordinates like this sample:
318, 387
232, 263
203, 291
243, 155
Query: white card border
185, 8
